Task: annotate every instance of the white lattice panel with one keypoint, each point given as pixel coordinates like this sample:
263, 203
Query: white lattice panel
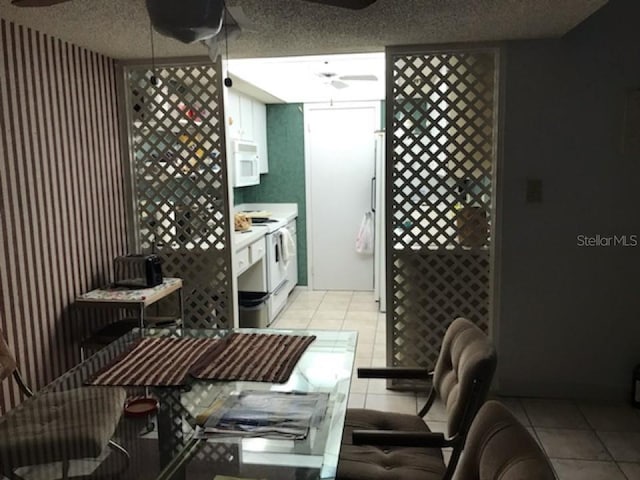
180, 183
441, 150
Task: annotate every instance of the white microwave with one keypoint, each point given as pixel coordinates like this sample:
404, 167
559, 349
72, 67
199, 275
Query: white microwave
246, 165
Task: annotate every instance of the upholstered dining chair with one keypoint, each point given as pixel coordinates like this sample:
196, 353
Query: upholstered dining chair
378, 445
499, 447
57, 427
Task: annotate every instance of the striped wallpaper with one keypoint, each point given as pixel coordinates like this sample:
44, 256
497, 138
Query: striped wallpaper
62, 207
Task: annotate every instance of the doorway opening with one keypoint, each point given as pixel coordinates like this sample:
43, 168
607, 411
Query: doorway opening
292, 87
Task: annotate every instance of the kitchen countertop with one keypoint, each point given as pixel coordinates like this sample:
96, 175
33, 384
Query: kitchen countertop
281, 211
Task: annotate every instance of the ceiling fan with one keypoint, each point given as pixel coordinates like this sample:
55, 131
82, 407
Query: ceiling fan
340, 81
351, 4
36, 3
197, 20
193, 20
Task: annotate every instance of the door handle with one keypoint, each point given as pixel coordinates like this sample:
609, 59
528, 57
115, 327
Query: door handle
373, 194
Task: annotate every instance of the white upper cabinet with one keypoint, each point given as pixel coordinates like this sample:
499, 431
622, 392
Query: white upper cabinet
232, 116
246, 119
260, 134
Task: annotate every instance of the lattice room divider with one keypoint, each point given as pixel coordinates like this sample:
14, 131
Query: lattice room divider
179, 182
441, 117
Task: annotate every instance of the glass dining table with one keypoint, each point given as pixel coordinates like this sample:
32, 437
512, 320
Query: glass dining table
166, 443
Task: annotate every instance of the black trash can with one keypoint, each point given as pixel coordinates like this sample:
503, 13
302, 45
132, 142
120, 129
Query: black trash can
253, 311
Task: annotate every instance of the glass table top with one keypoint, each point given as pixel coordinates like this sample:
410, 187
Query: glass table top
164, 445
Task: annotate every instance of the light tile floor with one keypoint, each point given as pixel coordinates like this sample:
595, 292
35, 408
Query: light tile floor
584, 440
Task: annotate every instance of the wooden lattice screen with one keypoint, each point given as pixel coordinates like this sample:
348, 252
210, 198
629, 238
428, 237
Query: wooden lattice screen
179, 177
441, 116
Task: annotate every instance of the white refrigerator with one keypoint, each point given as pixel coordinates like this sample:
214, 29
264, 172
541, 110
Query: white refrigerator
378, 207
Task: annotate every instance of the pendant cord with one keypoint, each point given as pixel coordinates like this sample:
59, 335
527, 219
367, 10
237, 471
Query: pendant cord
154, 79
227, 80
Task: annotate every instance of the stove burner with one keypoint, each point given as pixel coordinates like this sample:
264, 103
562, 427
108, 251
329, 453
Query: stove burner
259, 220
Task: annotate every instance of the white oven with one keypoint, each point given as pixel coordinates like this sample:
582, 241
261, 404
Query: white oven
280, 259
276, 273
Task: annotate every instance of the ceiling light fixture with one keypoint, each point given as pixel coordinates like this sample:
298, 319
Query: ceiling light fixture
351, 4
36, 3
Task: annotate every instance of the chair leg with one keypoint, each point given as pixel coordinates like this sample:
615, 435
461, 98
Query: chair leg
123, 452
65, 469
428, 404
22, 384
119, 448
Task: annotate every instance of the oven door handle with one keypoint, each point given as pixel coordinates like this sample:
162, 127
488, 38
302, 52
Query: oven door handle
277, 251
280, 287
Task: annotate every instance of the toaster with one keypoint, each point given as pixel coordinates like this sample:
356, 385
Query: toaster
137, 271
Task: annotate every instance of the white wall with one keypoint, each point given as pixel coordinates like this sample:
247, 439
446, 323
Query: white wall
569, 321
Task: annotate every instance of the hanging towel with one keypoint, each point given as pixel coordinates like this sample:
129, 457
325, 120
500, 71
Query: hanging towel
288, 246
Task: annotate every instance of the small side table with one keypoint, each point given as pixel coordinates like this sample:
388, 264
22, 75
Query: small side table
127, 297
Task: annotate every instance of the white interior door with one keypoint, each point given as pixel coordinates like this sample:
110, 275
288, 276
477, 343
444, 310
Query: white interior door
340, 161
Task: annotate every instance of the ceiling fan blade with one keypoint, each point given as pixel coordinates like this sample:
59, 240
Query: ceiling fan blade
351, 4
338, 84
369, 78
36, 3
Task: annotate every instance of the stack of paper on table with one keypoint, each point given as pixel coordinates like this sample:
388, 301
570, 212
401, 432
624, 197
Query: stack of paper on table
264, 414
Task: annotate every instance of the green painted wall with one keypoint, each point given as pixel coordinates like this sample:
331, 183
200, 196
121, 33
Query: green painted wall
285, 182
238, 196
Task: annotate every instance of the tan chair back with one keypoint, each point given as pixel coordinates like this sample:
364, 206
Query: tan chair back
500, 448
7, 360
463, 373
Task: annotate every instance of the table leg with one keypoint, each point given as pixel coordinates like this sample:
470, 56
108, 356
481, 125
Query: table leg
141, 314
171, 439
181, 306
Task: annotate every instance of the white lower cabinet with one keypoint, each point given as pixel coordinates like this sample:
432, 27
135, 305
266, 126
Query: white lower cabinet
257, 250
251, 268
242, 260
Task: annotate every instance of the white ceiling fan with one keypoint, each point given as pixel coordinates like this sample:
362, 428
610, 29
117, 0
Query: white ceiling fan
341, 81
198, 20
350, 4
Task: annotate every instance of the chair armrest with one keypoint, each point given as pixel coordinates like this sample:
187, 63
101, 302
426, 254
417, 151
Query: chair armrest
399, 438
416, 373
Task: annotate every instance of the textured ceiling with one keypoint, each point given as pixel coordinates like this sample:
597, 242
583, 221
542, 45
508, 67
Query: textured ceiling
120, 28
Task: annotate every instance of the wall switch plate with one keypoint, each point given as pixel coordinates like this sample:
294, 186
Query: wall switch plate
534, 190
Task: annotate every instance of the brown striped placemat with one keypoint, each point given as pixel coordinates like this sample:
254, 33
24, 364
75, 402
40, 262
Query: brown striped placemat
160, 362
255, 357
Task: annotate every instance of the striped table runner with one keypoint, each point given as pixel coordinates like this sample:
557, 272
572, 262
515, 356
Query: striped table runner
165, 362
254, 357
161, 362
